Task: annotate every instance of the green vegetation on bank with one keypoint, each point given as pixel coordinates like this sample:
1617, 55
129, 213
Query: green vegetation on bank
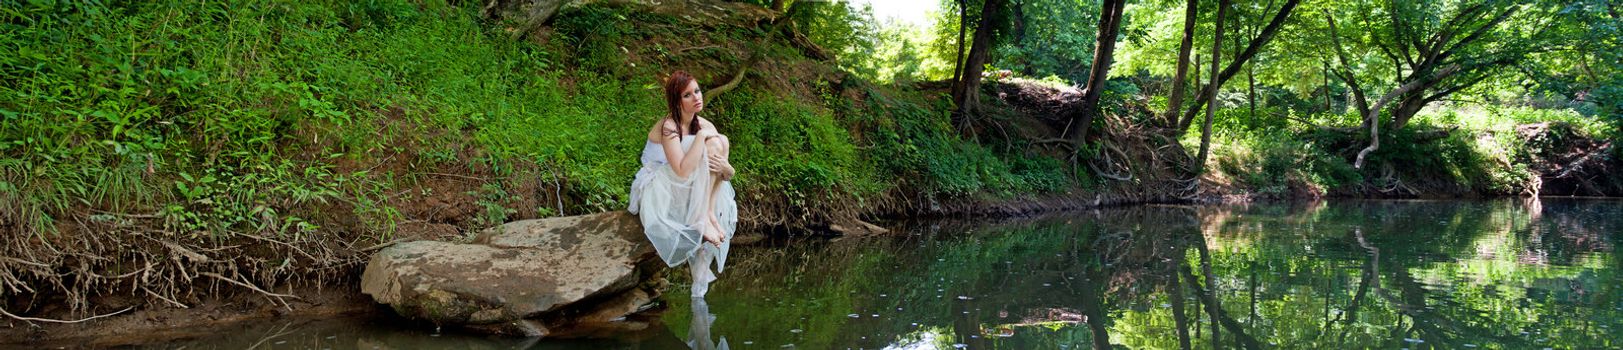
149, 146
264, 140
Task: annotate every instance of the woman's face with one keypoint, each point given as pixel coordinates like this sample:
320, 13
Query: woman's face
692, 99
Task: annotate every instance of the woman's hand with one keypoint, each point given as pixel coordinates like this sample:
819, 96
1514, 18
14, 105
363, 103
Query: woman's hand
707, 133
721, 166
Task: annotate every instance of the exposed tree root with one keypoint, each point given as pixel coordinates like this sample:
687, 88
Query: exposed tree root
37, 319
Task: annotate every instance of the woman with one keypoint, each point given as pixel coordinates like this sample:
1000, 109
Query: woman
682, 193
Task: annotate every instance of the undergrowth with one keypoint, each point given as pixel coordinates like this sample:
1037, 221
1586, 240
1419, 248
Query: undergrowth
156, 148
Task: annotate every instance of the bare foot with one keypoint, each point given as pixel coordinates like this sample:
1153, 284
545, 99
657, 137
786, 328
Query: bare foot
713, 233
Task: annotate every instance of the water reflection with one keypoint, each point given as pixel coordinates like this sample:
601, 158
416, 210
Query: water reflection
1356, 274
1327, 275
699, 327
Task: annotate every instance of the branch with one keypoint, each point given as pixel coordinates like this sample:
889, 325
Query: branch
1448, 30
681, 50
1234, 66
1222, 317
1478, 33
36, 319
737, 77
1375, 111
1345, 72
256, 289
1453, 89
1398, 36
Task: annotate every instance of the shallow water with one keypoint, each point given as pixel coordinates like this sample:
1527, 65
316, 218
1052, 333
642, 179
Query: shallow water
1509, 274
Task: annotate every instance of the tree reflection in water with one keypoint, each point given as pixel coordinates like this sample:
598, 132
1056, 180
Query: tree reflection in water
1328, 275
1352, 274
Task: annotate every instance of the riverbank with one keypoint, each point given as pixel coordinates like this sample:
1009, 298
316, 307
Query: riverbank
149, 325
228, 163
1025, 279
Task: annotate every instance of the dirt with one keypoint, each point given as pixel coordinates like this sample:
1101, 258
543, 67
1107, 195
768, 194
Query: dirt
1569, 164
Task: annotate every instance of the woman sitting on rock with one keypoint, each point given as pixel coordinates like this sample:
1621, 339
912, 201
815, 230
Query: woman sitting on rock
682, 193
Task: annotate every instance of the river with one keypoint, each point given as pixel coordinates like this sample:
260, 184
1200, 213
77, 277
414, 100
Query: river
1494, 274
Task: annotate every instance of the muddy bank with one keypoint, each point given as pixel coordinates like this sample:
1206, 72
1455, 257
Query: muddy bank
158, 324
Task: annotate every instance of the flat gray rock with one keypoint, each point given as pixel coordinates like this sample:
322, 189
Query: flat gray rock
531, 269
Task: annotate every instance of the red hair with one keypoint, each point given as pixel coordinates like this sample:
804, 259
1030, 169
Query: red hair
673, 99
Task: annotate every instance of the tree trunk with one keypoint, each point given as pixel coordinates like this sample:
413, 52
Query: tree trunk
1104, 50
1175, 102
1326, 67
1374, 111
1180, 321
1234, 66
1251, 89
1214, 308
1410, 105
532, 14
968, 85
1346, 73
958, 60
1251, 69
1217, 53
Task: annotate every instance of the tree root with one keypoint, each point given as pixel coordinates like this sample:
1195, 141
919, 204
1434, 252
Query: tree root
36, 319
278, 297
1121, 171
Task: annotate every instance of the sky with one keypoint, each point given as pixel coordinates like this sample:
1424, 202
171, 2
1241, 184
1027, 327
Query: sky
911, 11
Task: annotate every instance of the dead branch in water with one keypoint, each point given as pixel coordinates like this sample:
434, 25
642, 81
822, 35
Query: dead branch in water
36, 319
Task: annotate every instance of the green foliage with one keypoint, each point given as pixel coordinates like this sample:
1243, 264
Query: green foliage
241, 126
1275, 163
493, 201
841, 28
1053, 38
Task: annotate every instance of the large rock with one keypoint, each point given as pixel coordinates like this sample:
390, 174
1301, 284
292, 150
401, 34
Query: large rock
525, 277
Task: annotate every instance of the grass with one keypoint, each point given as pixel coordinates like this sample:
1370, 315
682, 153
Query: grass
271, 141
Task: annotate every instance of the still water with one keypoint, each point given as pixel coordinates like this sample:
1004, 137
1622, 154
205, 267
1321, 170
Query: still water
1508, 274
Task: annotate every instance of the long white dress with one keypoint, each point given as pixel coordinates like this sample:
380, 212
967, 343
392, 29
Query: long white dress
671, 209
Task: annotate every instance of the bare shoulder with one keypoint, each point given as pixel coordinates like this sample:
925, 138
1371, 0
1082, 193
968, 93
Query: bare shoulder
662, 130
705, 123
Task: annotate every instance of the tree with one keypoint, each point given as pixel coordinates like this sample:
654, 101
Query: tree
958, 60
1344, 70
1436, 51
1217, 54
965, 89
1420, 39
1103, 52
1251, 50
1175, 101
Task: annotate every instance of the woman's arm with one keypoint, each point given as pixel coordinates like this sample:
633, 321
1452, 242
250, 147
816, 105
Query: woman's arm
722, 167
682, 163
718, 162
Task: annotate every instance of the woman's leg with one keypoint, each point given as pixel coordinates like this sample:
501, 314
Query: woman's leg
714, 233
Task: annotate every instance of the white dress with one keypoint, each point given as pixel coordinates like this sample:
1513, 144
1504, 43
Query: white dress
671, 209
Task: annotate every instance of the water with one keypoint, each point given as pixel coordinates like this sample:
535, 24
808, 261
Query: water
1507, 274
